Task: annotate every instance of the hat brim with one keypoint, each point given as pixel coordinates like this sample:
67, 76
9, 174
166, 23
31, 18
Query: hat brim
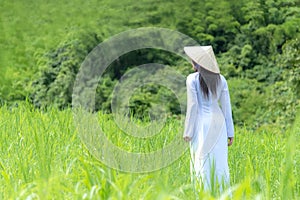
203, 56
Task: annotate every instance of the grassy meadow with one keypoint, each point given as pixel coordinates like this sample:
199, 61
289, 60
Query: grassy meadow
42, 157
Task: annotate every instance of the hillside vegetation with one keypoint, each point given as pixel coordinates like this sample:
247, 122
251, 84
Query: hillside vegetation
256, 43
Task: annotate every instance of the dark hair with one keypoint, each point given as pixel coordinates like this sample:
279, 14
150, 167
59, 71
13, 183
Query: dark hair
209, 82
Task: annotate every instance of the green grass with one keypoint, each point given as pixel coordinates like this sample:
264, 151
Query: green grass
42, 157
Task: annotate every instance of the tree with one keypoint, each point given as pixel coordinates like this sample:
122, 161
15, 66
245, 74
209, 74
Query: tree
58, 69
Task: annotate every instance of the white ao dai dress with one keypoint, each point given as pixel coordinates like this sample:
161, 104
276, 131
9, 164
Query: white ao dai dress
209, 123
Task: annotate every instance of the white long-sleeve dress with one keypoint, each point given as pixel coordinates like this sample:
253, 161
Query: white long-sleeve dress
209, 123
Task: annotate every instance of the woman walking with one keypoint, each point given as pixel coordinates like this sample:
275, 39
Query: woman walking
208, 124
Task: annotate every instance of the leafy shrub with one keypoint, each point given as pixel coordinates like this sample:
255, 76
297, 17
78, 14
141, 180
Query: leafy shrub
248, 101
58, 68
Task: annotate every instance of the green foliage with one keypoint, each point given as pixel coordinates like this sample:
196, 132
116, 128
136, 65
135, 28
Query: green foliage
291, 62
269, 95
58, 69
45, 43
284, 98
152, 100
43, 157
248, 101
210, 23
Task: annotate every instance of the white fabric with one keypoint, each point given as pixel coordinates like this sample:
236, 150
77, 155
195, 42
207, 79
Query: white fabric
209, 126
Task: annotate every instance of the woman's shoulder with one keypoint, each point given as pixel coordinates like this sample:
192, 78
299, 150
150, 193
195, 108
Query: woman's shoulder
192, 76
223, 79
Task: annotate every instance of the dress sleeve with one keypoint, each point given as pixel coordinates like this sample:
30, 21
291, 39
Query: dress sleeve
192, 108
226, 109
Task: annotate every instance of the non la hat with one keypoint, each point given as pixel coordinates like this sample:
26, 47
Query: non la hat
204, 56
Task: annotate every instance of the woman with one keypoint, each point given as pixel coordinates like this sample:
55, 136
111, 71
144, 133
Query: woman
208, 127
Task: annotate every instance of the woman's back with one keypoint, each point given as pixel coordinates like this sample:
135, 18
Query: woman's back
210, 105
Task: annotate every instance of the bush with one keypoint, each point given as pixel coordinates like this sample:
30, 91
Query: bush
58, 69
248, 101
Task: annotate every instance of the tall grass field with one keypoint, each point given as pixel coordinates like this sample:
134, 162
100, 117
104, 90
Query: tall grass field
42, 157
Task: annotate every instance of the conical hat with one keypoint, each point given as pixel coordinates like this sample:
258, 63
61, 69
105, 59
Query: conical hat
204, 56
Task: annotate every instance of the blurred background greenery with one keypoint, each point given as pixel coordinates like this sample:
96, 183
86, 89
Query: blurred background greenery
43, 43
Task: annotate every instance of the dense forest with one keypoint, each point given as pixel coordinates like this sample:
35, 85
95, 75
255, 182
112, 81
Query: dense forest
256, 42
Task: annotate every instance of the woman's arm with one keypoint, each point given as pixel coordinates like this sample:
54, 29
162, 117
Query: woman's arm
226, 108
192, 109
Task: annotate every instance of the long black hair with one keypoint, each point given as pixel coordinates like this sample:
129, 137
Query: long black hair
209, 81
